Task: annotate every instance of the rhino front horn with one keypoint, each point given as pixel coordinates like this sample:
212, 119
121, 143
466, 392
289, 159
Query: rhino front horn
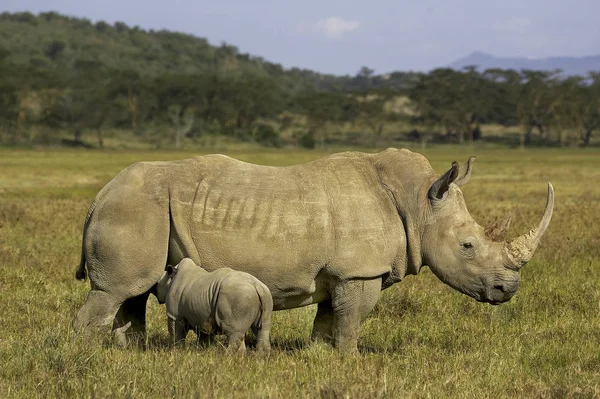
521, 249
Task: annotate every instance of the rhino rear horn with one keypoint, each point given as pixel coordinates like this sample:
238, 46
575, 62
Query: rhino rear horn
499, 229
465, 172
439, 188
521, 249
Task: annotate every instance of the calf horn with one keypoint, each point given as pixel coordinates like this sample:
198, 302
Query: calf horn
521, 249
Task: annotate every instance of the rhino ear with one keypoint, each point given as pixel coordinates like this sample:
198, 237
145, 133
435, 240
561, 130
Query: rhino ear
441, 185
169, 270
464, 173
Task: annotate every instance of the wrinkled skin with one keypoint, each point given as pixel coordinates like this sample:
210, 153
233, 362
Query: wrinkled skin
464, 252
224, 300
332, 232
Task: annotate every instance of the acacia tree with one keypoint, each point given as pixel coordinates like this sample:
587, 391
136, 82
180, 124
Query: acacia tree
369, 110
452, 99
534, 108
250, 96
320, 109
178, 97
9, 86
502, 95
591, 107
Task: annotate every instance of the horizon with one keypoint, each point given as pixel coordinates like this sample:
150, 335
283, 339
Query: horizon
324, 41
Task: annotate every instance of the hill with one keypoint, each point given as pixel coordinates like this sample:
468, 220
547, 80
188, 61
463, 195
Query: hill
58, 42
569, 65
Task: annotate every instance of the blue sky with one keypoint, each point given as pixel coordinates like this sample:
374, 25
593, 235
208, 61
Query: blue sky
340, 36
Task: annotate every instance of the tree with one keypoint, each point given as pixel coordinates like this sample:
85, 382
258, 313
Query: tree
178, 96
320, 108
535, 102
370, 111
9, 86
455, 100
591, 107
503, 93
182, 118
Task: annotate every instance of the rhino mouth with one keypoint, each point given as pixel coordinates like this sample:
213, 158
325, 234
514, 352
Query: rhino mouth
494, 302
490, 301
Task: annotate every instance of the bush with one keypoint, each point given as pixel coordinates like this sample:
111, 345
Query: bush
307, 140
266, 135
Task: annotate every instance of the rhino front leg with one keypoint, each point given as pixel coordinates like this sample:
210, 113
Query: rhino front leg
323, 324
178, 330
352, 300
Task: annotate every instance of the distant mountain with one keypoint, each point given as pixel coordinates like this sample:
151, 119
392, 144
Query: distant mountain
569, 65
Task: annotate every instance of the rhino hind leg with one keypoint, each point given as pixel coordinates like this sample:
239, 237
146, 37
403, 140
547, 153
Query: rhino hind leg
125, 250
235, 341
98, 311
352, 300
263, 343
323, 323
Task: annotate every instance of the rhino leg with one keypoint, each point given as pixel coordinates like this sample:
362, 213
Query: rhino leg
203, 340
263, 343
132, 313
125, 249
235, 341
352, 301
98, 311
323, 323
178, 329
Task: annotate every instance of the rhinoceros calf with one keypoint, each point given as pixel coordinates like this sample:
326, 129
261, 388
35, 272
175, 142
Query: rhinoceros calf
224, 300
332, 232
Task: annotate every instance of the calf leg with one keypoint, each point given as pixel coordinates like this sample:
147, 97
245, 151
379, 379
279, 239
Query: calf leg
263, 343
235, 341
132, 313
352, 300
323, 323
178, 330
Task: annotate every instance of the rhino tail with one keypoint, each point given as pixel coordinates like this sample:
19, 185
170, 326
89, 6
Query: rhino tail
81, 273
266, 306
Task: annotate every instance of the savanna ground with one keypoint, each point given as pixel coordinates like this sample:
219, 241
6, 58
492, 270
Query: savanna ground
422, 340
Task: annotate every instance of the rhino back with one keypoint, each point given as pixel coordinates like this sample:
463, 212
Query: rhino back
284, 225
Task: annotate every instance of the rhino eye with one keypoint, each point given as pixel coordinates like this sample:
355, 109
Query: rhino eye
467, 245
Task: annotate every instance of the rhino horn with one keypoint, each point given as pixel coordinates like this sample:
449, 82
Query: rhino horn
499, 230
521, 249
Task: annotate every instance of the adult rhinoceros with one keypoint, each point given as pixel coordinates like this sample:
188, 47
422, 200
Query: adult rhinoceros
332, 232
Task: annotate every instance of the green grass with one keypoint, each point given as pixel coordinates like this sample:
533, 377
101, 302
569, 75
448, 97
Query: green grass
422, 340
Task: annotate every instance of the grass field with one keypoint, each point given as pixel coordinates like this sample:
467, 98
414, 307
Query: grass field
422, 340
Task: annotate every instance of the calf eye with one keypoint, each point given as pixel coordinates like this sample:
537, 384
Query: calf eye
467, 245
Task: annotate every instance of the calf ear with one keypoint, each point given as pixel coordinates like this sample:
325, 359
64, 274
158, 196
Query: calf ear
169, 270
439, 188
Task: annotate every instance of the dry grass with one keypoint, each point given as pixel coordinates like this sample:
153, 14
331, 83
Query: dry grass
422, 340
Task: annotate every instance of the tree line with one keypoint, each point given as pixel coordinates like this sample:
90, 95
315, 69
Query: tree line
68, 74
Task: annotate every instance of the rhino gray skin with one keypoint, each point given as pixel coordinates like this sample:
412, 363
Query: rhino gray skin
332, 232
224, 300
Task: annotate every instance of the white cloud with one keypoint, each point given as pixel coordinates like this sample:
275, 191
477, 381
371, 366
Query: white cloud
335, 27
